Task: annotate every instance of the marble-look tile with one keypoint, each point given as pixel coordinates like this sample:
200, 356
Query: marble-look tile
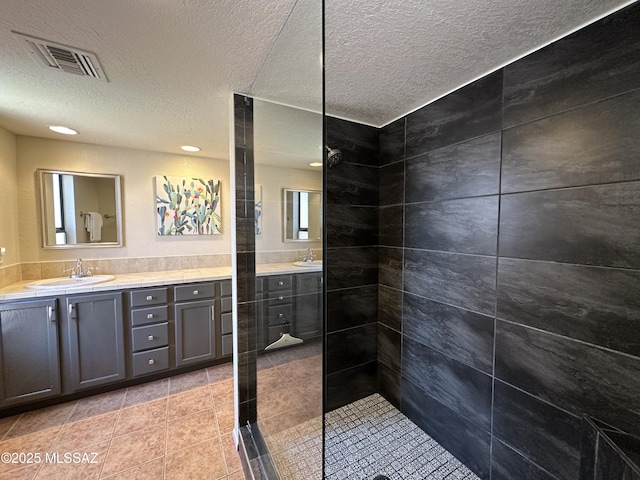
188, 402
597, 225
353, 226
392, 184
222, 392
152, 470
460, 437
351, 267
74, 436
599, 61
141, 416
390, 307
466, 169
185, 431
467, 281
543, 433
389, 347
596, 305
471, 111
537, 156
465, 390
390, 226
468, 225
576, 377
351, 307
350, 385
351, 347
351, 184
463, 335
358, 142
390, 267
507, 464
391, 146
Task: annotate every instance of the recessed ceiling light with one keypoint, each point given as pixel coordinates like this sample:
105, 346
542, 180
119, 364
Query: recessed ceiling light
190, 148
316, 164
63, 130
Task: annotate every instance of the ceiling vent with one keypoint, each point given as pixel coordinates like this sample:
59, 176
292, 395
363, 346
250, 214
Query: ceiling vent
63, 58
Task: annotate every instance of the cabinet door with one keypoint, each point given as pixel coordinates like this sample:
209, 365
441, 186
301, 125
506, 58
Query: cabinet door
195, 332
307, 316
30, 368
95, 340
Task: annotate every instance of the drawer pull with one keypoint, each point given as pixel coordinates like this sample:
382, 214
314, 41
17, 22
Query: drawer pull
149, 316
281, 298
280, 315
280, 283
152, 361
196, 292
150, 338
149, 297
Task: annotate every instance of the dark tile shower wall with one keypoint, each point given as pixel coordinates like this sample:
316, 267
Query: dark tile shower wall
351, 263
509, 256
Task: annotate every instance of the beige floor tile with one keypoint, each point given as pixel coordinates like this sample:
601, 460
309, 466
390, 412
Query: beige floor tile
276, 401
236, 476
189, 402
27, 472
308, 393
37, 442
41, 419
231, 456
153, 470
203, 460
146, 392
141, 416
188, 381
276, 423
220, 373
222, 392
7, 423
185, 431
134, 449
83, 464
86, 432
225, 415
98, 405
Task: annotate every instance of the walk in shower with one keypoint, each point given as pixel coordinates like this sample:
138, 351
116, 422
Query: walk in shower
479, 267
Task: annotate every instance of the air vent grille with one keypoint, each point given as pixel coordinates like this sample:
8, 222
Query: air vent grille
63, 58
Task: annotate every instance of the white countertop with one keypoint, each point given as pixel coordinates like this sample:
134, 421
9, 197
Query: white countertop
123, 281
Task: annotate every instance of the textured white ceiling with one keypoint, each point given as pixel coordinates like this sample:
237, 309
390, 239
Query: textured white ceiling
173, 64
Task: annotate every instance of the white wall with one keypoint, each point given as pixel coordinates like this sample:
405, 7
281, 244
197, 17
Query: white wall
138, 169
273, 180
9, 213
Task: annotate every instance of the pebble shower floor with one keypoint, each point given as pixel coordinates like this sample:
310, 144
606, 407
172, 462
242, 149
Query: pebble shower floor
364, 439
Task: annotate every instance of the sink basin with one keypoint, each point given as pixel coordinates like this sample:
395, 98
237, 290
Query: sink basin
66, 282
315, 263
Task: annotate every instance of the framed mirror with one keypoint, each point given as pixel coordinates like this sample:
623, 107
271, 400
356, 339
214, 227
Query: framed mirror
80, 210
302, 215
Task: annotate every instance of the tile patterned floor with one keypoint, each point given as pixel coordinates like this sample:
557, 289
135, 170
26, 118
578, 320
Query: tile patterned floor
364, 439
175, 428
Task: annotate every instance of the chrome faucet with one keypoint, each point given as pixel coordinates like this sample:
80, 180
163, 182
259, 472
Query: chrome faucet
308, 257
79, 272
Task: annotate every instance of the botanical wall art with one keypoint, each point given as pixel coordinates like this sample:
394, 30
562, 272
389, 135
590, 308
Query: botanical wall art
187, 206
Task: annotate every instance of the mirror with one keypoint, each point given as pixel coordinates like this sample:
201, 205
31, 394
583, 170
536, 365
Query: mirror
302, 215
80, 209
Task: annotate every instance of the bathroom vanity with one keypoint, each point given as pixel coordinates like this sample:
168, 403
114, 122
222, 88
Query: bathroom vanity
56, 344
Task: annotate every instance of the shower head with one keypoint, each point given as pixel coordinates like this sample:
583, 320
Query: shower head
334, 157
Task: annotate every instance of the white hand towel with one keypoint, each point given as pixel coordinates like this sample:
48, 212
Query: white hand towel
93, 224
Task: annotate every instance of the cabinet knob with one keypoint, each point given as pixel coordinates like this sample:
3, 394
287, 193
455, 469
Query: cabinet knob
150, 337
280, 297
280, 283
151, 361
280, 315
149, 297
149, 315
196, 292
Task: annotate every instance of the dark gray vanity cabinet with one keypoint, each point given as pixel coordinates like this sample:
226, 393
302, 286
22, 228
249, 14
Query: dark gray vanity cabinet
226, 320
94, 340
30, 367
150, 332
308, 306
279, 307
195, 323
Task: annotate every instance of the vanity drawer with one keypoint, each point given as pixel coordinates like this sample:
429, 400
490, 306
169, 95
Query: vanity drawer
278, 282
151, 336
148, 296
227, 345
279, 298
227, 323
150, 361
199, 291
145, 316
225, 289
226, 305
279, 314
